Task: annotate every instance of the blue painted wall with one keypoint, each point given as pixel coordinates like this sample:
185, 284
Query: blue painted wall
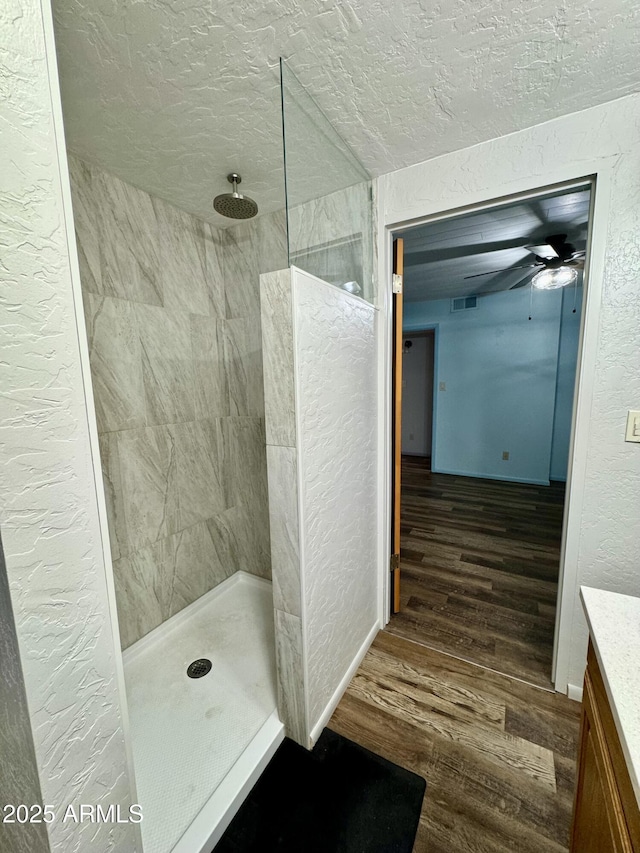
565, 382
504, 389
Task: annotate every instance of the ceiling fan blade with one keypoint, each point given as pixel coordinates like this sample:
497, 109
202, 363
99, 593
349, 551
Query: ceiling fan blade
506, 269
525, 281
522, 282
544, 250
421, 256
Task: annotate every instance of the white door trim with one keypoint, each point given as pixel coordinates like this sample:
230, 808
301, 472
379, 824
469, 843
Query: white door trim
600, 172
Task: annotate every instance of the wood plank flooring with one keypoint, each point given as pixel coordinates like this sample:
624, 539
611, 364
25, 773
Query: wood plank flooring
480, 562
498, 755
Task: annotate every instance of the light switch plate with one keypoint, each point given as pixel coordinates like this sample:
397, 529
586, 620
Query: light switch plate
633, 426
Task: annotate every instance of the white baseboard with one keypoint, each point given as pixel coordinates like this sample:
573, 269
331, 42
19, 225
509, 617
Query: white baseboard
574, 692
498, 477
317, 730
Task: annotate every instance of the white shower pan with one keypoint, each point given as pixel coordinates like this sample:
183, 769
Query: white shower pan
200, 744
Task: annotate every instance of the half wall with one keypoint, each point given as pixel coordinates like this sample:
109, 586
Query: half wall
320, 402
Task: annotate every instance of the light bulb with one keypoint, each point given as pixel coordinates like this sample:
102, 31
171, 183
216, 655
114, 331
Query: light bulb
550, 279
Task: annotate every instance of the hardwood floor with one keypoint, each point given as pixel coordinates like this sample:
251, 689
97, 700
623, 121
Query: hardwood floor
498, 755
479, 562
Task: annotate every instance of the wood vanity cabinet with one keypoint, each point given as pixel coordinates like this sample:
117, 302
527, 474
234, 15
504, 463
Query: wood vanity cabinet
606, 817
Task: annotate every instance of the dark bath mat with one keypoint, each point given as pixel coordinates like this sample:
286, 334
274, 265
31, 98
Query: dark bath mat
340, 798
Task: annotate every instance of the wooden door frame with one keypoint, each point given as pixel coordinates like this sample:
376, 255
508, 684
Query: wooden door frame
396, 359
598, 176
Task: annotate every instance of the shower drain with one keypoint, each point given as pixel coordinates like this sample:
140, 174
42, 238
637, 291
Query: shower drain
199, 668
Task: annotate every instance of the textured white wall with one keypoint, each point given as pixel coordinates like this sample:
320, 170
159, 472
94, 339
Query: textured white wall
336, 403
320, 405
603, 538
48, 498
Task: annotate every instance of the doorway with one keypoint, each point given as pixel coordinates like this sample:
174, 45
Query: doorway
418, 353
482, 503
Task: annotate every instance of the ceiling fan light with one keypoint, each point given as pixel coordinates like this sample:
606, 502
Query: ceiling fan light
551, 279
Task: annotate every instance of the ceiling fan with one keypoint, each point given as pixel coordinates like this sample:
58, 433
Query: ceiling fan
554, 254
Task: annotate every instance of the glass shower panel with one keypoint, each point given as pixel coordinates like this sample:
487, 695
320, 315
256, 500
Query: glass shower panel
328, 193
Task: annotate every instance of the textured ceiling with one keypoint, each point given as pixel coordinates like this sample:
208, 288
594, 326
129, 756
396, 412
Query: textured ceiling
439, 255
172, 95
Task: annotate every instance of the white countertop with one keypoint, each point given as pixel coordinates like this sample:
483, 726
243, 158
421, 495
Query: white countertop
614, 625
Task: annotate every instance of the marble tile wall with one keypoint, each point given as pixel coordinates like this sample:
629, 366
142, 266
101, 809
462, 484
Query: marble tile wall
19, 782
332, 237
172, 311
282, 465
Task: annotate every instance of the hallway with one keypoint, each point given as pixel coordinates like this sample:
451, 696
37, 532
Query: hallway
479, 566
498, 755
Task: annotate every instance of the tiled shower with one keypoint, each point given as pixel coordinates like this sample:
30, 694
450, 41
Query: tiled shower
172, 310
172, 313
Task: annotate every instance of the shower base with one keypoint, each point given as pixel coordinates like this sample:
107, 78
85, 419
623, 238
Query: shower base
200, 744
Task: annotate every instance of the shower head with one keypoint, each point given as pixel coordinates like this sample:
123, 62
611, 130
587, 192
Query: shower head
235, 205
